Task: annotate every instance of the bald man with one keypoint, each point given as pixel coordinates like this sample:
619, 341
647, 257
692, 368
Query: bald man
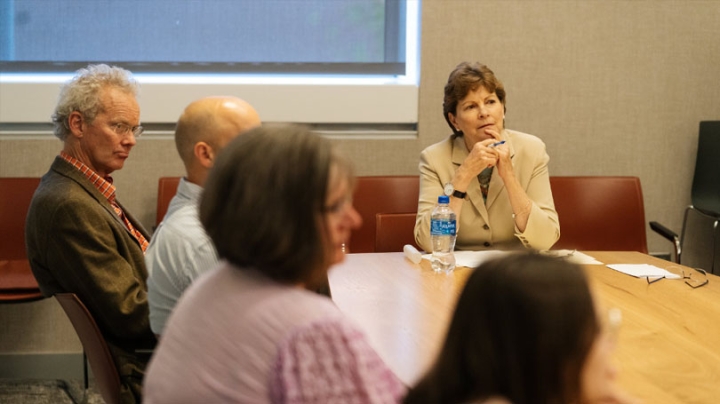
180, 250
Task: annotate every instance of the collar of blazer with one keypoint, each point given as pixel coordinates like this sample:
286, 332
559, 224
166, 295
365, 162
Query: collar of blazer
66, 169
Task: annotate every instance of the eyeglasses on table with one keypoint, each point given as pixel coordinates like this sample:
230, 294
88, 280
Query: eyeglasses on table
695, 278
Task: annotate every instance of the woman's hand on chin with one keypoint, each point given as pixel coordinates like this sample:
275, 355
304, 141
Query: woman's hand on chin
481, 157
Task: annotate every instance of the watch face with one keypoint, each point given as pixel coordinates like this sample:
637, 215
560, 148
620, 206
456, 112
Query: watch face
449, 189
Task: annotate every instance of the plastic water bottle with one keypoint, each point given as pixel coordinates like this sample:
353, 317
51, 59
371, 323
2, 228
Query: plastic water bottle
442, 235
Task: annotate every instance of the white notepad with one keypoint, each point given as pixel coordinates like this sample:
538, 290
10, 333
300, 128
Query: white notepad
643, 271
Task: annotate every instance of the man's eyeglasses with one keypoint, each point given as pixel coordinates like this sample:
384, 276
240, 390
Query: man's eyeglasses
694, 278
123, 129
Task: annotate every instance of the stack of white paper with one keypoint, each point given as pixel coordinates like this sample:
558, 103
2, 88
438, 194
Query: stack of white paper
471, 259
643, 271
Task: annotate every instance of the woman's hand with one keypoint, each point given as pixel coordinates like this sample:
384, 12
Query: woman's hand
482, 155
501, 154
504, 163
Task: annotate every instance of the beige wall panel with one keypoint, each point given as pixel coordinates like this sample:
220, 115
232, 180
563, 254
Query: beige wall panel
22, 157
382, 157
36, 327
137, 183
613, 88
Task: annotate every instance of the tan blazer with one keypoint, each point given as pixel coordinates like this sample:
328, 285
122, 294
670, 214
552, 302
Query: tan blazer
491, 226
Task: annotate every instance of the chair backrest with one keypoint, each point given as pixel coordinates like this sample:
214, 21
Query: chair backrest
706, 181
17, 283
167, 187
381, 194
393, 231
700, 241
600, 213
14, 203
98, 354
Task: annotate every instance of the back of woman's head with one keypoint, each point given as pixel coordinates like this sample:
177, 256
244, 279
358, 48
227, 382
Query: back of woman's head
522, 328
263, 199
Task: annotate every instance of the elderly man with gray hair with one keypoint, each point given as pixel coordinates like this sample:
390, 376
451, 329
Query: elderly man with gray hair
79, 238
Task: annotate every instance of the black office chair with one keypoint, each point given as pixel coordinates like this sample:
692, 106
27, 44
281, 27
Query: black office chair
698, 245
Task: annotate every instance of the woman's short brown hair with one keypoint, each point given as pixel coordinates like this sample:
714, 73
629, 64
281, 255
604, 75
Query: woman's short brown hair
263, 202
468, 77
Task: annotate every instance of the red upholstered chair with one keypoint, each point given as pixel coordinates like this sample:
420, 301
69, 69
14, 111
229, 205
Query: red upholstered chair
95, 348
381, 194
167, 187
394, 230
17, 282
600, 213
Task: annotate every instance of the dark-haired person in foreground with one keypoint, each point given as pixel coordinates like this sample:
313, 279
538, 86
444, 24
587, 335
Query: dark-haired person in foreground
278, 206
526, 330
79, 238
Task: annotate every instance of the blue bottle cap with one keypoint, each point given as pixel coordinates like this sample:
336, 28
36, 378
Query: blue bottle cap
443, 199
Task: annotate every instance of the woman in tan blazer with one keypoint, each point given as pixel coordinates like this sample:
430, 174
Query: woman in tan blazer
497, 179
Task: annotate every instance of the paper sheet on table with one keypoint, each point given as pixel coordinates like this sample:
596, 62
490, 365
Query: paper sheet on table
573, 256
471, 259
643, 271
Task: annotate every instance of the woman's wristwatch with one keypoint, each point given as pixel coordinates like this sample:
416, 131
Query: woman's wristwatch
451, 191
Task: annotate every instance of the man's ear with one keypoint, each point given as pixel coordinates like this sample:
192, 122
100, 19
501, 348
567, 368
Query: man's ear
75, 123
204, 154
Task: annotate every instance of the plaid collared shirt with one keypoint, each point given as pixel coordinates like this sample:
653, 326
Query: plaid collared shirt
107, 189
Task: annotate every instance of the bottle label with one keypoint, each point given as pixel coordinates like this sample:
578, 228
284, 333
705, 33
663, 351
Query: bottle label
442, 228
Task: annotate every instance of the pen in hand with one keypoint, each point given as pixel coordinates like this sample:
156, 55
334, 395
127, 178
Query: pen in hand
496, 144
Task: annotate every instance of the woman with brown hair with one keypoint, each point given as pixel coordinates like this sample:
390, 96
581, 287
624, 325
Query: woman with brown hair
526, 330
497, 179
278, 206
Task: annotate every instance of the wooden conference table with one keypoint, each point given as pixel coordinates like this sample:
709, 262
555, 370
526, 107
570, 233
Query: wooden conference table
669, 342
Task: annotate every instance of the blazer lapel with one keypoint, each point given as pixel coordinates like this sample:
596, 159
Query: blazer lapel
496, 183
138, 226
66, 169
474, 195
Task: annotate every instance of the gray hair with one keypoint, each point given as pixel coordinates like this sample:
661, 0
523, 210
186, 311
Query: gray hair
82, 94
